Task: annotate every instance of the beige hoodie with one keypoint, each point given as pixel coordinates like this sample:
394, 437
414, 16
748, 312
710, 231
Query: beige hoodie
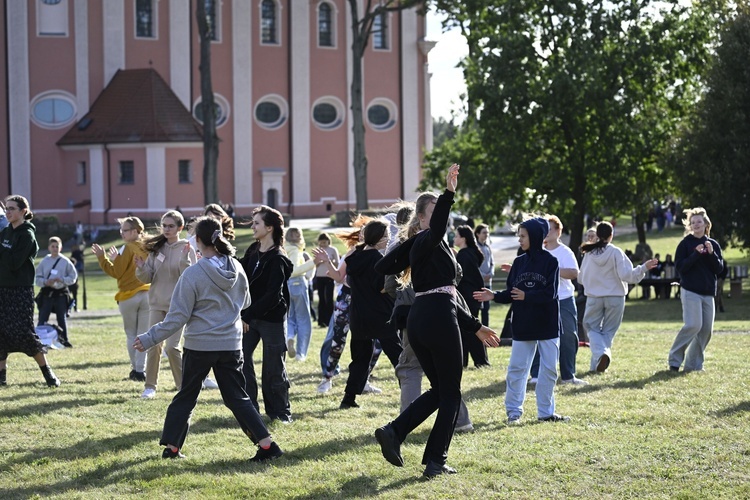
162, 269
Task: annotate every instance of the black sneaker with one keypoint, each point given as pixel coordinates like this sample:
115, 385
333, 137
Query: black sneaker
66, 344
674, 368
346, 404
435, 469
555, 418
271, 453
390, 446
137, 376
49, 376
168, 453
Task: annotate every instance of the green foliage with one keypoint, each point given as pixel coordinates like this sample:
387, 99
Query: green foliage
711, 157
575, 100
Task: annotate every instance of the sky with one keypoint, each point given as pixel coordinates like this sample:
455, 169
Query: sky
447, 82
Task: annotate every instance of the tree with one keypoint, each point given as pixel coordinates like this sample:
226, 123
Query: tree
575, 100
374, 13
710, 159
205, 18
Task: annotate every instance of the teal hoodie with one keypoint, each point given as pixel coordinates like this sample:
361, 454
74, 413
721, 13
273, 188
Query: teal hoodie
18, 248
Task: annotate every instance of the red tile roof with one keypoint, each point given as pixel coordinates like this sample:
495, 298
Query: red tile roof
136, 107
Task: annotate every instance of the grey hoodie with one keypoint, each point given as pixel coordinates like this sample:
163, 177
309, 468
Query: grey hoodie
606, 273
208, 300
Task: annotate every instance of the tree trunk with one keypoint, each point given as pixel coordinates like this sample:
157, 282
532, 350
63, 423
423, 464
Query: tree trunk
210, 139
579, 213
358, 122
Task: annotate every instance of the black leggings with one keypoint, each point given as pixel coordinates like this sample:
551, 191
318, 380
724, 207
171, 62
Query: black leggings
434, 335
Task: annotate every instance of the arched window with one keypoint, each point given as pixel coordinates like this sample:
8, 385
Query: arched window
325, 25
268, 28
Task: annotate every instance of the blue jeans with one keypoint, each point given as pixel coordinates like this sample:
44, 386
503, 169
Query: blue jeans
690, 344
602, 319
568, 341
299, 323
521, 356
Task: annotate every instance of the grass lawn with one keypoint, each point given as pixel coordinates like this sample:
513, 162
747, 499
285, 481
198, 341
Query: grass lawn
636, 431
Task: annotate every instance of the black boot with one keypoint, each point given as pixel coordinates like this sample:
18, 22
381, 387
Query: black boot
2, 377
49, 376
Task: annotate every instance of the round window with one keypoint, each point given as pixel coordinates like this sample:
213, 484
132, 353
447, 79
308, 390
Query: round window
221, 107
271, 112
381, 114
53, 110
328, 113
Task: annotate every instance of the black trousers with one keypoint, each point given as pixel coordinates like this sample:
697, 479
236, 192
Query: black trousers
434, 335
274, 380
227, 367
361, 351
325, 287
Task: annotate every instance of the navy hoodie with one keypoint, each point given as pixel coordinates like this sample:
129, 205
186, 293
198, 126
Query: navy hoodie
698, 271
537, 273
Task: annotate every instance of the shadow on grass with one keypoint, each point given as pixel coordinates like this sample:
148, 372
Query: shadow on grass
730, 411
54, 406
660, 376
362, 486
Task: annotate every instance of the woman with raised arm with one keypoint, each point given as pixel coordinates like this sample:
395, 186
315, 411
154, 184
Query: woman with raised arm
433, 329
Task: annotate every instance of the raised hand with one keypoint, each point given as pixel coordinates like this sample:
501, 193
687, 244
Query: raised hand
112, 253
97, 250
452, 177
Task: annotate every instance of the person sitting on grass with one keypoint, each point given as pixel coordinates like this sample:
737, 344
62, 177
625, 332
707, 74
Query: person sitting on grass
208, 298
532, 289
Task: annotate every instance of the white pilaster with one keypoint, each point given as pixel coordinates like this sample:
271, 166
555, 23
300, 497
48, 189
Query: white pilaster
113, 28
352, 193
300, 54
179, 50
98, 183
156, 177
18, 97
242, 83
410, 73
81, 27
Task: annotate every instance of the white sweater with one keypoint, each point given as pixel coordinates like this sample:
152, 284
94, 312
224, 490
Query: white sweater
607, 274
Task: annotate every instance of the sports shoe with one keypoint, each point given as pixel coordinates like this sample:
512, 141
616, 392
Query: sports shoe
514, 420
603, 364
137, 376
290, 348
264, 455
148, 393
435, 469
533, 381
390, 446
67, 344
300, 358
210, 384
574, 381
325, 385
49, 376
464, 428
168, 453
345, 404
371, 389
555, 418
674, 368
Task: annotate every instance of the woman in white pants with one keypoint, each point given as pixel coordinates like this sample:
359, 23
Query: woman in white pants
605, 274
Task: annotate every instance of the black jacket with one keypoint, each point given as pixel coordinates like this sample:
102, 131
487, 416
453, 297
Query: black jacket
698, 271
267, 275
371, 308
18, 247
472, 280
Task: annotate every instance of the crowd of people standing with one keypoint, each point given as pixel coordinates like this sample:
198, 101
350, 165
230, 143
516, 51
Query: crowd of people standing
404, 291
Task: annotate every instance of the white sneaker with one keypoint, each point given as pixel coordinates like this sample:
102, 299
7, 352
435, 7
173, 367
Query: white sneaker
574, 381
290, 348
371, 389
300, 358
533, 381
325, 385
514, 420
149, 393
210, 384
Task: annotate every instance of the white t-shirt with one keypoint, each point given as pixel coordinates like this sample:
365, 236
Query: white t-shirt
566, 259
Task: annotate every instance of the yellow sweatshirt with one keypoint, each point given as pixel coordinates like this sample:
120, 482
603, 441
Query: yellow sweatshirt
123, 270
